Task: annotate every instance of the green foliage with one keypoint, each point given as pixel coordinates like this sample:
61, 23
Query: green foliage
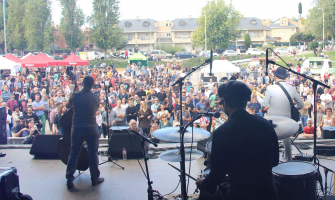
293, 40
222, 21
300, 8
71, 21
301, 36
313, 45
36, 20
49, 36
2, 44
247, 40
15, 25
172, 49
121, 63
104, 20
136, 49
271, 46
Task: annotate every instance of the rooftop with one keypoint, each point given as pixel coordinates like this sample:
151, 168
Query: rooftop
251, 23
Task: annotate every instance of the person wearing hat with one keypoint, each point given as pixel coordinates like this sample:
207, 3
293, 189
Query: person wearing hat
277, 104
245, 147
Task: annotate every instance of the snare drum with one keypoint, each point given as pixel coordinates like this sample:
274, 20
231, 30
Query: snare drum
208, 150
297, 180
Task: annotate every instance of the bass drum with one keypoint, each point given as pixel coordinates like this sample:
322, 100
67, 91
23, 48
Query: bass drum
297, 180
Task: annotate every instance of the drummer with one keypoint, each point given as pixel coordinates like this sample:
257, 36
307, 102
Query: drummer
245, 147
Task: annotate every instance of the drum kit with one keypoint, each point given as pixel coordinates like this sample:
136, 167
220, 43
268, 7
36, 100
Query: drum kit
296, 180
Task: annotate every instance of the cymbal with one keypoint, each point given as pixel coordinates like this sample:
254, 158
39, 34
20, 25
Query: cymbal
172, 134
284, 126
174, 155
119, 127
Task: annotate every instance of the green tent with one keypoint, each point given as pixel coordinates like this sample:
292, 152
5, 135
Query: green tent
138, 57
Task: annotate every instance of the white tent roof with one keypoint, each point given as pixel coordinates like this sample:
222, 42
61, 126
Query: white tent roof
25, 56
221, 66
8, 64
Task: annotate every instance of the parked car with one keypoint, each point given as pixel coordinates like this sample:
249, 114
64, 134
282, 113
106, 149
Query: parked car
254, 51
146, 53
281, 50
291, 48
160, 53
184, 54
214, 54
202, 53
242, 49
230, 53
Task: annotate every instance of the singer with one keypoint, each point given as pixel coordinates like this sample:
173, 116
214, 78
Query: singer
245, 147
279, 105
84, 126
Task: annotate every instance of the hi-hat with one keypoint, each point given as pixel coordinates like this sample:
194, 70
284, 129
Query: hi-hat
175, 156
284, 126
119, 127
172, 134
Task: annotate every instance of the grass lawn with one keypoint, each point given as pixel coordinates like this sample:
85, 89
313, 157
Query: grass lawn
331, 55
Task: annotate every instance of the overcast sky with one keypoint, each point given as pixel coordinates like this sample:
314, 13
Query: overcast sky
171, 9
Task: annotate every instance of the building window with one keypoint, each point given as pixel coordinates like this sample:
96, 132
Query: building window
252, 34
185, 35
178, 35
292, 30
253, 22
182, 23
127, 24
161, 24
130, 37
142, 36
159, 35
167, 35
146, 23
285, 29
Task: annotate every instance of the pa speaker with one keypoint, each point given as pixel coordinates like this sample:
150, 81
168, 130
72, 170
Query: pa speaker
3, 114
324, 149
3, 137
45, 146
129, 141
328, 132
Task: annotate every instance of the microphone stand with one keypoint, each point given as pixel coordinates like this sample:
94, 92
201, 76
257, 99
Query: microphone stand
315, 83
180, 81
143, 138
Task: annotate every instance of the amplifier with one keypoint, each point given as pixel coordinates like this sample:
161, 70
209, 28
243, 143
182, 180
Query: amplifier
328, 132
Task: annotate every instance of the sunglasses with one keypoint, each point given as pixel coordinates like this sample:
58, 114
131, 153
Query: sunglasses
164, 117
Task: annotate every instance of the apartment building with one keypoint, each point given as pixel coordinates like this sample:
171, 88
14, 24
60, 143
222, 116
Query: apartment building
149, 34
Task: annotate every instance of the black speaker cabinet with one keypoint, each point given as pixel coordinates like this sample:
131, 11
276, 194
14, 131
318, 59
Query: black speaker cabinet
129, 141
3, 137
328, 132
325, 150
2, 125
3, 115
45, 146
202, 144
9, 182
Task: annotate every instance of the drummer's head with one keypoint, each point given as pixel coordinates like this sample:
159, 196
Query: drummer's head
235, 95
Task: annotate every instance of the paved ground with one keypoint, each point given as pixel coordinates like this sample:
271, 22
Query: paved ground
45, 179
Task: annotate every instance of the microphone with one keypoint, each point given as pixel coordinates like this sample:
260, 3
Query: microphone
145, 138
267, 61
211, 63
210, 114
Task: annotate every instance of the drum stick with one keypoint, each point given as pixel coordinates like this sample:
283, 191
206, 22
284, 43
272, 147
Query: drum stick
185, 173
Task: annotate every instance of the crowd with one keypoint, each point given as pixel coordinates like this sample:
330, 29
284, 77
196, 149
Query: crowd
35, 100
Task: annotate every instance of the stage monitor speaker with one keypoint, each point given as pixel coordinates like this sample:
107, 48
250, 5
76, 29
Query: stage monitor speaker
202, 144
3, 115
2, 125
129, 141
9, 182
45, 146
3, 137
328, 132
325, 150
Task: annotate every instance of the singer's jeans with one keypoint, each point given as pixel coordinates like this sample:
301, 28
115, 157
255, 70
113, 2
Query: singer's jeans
91, 135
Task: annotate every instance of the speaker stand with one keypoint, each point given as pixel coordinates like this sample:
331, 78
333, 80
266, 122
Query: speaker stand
111, 160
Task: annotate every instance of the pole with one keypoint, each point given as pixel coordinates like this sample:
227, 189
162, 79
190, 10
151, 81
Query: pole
150, 34
205, 35
4, 24
323, 29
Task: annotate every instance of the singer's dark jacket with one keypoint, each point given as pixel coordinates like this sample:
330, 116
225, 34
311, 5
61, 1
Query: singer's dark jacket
245, 148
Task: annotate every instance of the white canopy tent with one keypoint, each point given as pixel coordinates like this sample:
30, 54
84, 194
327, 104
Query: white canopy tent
221, 66
8, 64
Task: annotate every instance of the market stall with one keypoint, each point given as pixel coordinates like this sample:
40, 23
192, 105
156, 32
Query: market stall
138, 57
7, 64
72, 60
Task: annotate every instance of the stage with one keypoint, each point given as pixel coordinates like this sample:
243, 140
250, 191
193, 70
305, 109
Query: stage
44, 179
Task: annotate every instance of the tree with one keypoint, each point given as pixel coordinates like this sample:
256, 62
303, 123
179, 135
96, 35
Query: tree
300, 9
2, 43
247, 40
313, 45
15, 25
36, 21
104, 32
49, 36
71, 21
222, 22
302, 36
